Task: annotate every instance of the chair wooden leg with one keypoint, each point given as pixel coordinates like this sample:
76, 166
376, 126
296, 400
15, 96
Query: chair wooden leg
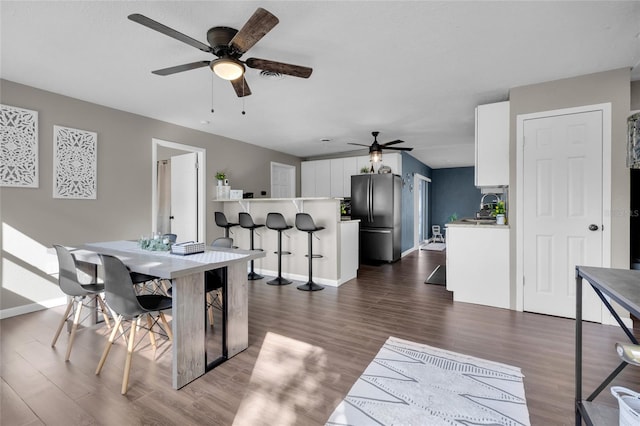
167, 328
164, 286
152, 337
209, 298
117, 327
76, 321
62, 322
104, 310
130, 349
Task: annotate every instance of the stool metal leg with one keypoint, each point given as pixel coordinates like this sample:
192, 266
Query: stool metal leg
279, 280
253, 275
310, 285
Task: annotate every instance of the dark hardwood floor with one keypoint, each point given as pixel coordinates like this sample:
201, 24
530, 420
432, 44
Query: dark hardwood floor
306, 351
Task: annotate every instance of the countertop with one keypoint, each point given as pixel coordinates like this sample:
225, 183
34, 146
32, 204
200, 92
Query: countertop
469, 223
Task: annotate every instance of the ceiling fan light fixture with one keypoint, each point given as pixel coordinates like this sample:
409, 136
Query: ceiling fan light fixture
227, 68
375, 155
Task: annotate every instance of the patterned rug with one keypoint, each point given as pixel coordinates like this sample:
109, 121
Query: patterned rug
434, 247
409, 383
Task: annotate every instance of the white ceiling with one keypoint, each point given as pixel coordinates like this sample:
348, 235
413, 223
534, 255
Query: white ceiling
413, 70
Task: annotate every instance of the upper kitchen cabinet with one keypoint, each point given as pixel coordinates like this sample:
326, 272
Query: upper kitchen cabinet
332, 178
492, 145
315, 178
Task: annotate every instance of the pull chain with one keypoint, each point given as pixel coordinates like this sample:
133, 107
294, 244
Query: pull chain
212, 93
243, 112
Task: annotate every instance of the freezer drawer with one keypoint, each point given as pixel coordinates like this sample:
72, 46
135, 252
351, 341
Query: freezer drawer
377, 244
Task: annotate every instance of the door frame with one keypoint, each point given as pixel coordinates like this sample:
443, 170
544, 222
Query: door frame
605, 109
417, 177
202, 188
292, 176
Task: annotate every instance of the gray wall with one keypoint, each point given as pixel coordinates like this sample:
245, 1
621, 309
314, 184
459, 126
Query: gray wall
454, 191
122, 210
610, 86
635, 95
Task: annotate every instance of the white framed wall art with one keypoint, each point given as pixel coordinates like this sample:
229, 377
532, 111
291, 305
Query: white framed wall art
18, 147
74, 163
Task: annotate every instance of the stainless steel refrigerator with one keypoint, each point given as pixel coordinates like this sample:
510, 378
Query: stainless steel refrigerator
376, 200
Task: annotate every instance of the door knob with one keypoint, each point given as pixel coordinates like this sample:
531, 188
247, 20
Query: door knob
593, 227
171, 217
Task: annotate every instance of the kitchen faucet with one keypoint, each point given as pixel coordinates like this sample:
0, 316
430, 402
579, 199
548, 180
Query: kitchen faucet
482, 203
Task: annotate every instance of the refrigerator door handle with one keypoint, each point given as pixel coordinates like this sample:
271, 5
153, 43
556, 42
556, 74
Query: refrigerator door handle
377, 231
371, 218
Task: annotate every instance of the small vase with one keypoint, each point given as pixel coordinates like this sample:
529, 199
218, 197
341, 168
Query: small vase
499, 219
220, 182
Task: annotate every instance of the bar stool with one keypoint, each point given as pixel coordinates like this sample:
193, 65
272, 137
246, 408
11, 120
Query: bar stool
246, 222
276, 222
221, 221
304, 222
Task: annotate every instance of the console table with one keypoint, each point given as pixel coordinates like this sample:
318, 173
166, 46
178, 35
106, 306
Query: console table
623, 286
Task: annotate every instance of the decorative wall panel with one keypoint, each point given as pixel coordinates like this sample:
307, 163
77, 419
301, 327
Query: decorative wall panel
74, 163
18, 147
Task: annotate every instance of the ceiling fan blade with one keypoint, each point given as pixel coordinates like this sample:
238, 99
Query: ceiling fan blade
241, 87
359, 144
398, 148
150, 23
180, 68
391, 143
260, 23
280, 67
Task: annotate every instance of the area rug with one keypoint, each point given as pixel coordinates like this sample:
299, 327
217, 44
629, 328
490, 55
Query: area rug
438, 276
409, 383
434, 247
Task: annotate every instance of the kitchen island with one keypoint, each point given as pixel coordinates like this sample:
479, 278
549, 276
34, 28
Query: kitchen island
478, 263
337, 243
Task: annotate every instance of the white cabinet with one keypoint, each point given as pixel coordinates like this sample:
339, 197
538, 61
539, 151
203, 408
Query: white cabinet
350, 168
332, 178
308, 179
478, 264
337, 177
315, 178
492, 144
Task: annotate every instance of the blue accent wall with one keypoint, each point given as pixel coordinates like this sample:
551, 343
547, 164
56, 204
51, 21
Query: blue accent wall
453, 191
411, 166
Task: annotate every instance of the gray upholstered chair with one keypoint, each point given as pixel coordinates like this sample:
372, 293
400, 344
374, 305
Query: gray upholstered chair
123, 300
80, 295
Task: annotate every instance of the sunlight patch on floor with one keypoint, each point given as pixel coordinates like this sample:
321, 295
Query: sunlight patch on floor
288, 377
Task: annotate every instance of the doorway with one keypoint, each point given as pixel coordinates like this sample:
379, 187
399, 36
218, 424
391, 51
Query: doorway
560, 219
421, 209
200, 208
283, 180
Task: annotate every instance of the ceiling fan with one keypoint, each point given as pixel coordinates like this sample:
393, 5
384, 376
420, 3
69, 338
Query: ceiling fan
375, 149
229, 44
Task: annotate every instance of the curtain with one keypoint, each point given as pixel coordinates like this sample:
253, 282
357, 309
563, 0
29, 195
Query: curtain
164, 196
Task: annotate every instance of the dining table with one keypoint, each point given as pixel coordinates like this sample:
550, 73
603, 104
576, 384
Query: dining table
186, 273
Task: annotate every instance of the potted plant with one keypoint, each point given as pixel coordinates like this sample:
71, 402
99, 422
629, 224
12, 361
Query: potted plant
499, 212
364, 169
221, 176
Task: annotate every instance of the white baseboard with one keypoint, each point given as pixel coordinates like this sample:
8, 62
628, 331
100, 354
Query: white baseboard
406, 252
610, 320
303, 278
32, 307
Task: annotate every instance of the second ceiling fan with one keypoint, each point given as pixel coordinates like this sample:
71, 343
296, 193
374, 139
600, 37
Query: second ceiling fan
375, 149
229, 44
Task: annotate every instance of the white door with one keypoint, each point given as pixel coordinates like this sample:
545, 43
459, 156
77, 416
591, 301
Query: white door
283, 181
184, 196
562, 199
